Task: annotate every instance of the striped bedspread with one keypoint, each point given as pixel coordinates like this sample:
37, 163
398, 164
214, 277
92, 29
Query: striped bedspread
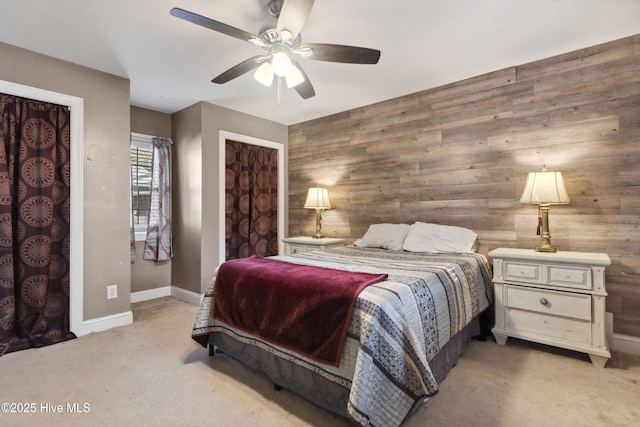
397, 326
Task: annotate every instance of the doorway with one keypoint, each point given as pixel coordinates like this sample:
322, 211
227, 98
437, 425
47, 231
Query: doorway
225, 136
251, 194
35, 181
76, 107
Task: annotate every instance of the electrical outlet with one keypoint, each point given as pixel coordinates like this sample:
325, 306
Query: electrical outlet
112, 291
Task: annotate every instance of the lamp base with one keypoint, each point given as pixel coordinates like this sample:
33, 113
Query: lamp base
318, 234
542, 248
545, 244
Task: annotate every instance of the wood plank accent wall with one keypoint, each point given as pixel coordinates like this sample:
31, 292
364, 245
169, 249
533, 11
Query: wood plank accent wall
459, 154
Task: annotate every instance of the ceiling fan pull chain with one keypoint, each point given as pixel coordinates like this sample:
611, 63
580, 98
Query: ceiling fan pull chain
279, 89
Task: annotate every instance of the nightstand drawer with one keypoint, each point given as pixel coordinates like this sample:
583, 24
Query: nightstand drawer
555, 327
523, 272
576, 306
569, 277
297, 249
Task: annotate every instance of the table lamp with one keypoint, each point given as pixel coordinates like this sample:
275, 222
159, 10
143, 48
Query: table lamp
544, 188
318, 199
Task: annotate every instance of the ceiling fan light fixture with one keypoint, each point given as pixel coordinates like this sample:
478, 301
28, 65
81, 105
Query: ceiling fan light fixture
281, 42
281, 64
294, 77
264, 74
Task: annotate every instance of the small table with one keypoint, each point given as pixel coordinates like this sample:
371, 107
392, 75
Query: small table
296, 245
556, 299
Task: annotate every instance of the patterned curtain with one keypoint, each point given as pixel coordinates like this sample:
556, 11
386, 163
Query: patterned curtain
132, 232
157, 246
132, 240
251, 200
34, 223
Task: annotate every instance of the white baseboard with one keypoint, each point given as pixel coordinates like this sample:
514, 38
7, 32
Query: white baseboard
149, 294
186, 296
167, 291
619, 342
626, 344
100, 324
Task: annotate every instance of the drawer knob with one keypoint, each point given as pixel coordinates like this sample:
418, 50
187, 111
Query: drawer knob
544, 301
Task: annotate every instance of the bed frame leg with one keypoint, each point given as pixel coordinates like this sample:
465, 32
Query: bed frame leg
212, 350
486, 323
277, 387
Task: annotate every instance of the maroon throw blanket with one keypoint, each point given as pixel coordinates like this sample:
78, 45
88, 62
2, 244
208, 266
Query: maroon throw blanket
303, 308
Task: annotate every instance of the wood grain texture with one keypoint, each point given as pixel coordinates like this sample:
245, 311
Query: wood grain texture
459, 154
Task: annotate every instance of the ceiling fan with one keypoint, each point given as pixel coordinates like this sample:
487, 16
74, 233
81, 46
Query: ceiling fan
283, 42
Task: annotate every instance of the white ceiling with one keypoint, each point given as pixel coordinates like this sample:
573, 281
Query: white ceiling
424, 44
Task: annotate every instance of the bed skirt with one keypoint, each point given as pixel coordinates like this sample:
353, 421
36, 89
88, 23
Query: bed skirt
317, 389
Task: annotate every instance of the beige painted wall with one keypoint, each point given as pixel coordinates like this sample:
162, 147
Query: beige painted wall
146, 275
459, 155
187, 198
196, 138
150, 122
106, 168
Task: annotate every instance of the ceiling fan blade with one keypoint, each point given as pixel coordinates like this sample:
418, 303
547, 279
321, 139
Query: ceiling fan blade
238, 70
293, 15
211, 24
304, 89
341, 53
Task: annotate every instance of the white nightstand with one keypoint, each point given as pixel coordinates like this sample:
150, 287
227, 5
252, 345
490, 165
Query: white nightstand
296, 245
552, 298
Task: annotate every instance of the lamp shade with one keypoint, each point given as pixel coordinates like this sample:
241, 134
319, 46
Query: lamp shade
317, 198
544, 187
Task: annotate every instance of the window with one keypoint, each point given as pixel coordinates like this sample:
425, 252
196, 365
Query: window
141, 173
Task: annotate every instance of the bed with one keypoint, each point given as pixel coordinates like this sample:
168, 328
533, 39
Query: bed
404, 334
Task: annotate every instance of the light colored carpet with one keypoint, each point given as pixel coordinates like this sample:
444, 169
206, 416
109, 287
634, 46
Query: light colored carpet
152, 373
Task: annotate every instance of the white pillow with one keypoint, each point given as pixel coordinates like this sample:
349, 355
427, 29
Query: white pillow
436, 238
385, 236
